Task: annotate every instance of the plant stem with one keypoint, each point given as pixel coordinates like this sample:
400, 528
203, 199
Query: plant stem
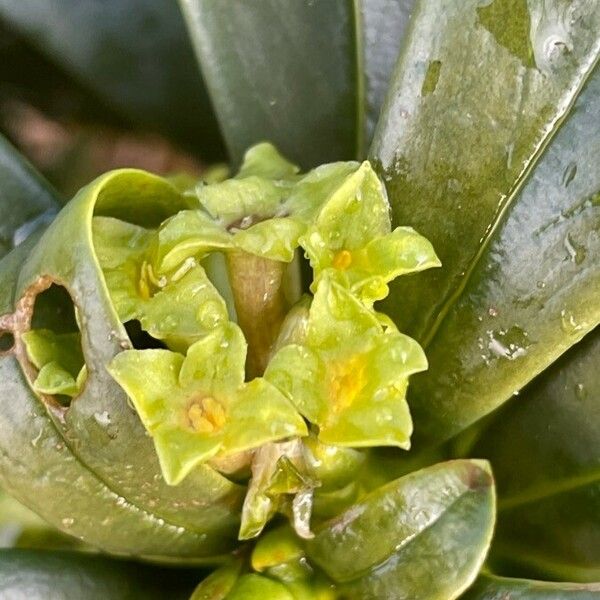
260, 304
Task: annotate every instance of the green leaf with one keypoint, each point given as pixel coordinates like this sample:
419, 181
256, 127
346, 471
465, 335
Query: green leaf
253, 55
513, 247
198, 407
27, 202
544, 448
21, 528
108, 487
422, 536
489, 587
44, 346
39, 574
104, 47
350, 376
383, 24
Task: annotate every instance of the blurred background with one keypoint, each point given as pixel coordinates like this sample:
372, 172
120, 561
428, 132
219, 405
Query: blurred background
84, 89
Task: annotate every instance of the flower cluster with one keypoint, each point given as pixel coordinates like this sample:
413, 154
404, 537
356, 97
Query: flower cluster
231, 379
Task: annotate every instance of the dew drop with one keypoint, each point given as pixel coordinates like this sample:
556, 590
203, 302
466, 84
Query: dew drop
102, 418
508, 343
568, 322
68, 522
580, 391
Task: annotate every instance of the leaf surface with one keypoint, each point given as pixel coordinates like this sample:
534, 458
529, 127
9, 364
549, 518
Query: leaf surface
489, 587
253, 55
467, 150
27, 201
544, 448
66, 575
437, 520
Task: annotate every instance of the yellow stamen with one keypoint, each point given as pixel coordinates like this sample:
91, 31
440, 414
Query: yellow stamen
342, 260
206, 415
346, 382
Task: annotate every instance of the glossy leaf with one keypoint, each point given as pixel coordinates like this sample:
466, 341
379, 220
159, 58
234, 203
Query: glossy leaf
544, 448
422, 536
383, 24
133, 54
500, 309
27, 202
106, 484
21, 528
489, 587
39, 574
252, 55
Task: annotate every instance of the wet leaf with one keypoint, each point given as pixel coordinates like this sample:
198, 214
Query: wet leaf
422, 536
39, 574
27, 202
544, 448
489, 587
505, 196
252, 56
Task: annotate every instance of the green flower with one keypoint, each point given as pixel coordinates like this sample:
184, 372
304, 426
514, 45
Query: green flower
179, 308
350, 376
59, 360
197, 406
262, 211
351, 239
264, 160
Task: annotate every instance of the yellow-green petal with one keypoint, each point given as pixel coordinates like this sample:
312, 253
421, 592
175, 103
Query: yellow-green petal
275, 238
151, 380
299, 373
217, 361
242, 201
189, 233
260, 414
336, 316
180, 451
264, 160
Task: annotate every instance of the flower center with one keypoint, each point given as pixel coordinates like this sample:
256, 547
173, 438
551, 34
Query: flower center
206, 415
342, 260
347, 381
